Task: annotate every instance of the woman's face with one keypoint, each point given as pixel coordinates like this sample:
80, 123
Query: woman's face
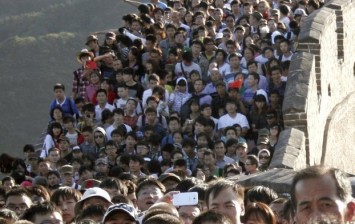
274, 131
231, 134
94, 78
248, 41
188, 17
260, 104
57, 131
248, 54
57, 114
219, 57
105, 85
177, 138
149, 66
264, 159
20, 169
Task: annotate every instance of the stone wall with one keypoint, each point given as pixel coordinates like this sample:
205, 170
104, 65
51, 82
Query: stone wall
320, 93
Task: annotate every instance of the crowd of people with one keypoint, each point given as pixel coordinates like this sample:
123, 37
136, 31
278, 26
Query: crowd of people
183, 96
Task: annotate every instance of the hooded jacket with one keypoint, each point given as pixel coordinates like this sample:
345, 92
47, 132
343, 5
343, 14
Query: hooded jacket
177, 98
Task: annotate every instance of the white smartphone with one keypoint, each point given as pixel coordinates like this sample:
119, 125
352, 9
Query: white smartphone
187, 198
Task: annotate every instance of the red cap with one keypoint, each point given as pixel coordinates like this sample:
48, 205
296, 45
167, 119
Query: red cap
90, 65
236, 84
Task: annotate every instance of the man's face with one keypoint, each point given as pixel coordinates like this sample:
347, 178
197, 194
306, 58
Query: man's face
317, 200
53, 180
59, 94
67, 179
127, 77
130, 141
227, 203
241, 152
67, 205
220, 149
18, 204
134, 166
122, 92
196, 49
198, 85
64, 145
120, 218
111, 150
147, 196
54, 156
249, 167
209, 160
231, 108
54, 217
118, 118
284, 47
188, 213
101, 98
102, 167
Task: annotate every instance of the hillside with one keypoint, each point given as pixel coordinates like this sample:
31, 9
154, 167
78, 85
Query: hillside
38, 41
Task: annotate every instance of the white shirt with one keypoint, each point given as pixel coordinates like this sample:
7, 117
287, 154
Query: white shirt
98, 110
226, 120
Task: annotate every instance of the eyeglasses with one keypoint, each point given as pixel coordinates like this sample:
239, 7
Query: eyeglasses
99, 136
264, 157
14, 207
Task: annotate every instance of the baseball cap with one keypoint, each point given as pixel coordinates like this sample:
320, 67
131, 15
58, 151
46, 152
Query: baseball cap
121, 207
92, 192
263, 132
242, 144
66, 169
76, 148
101, 161
169, 176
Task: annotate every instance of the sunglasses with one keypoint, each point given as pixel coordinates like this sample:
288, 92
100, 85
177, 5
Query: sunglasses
264, 157
99, 136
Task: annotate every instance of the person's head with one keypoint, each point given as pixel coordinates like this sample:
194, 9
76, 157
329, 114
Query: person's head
321, 193
231, 106
59, 91
214, 217
148, 191
113, 186
120, 213
93, 213
122, 91
66, 175
92, 196
260, 194
53, 155
18, 200
53, 178
55, 130
258, 212
264, 157
43, 213
209, 158
188, 213
226, 197
136, 163
251, 164
219, 148
65, 199
8, 183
